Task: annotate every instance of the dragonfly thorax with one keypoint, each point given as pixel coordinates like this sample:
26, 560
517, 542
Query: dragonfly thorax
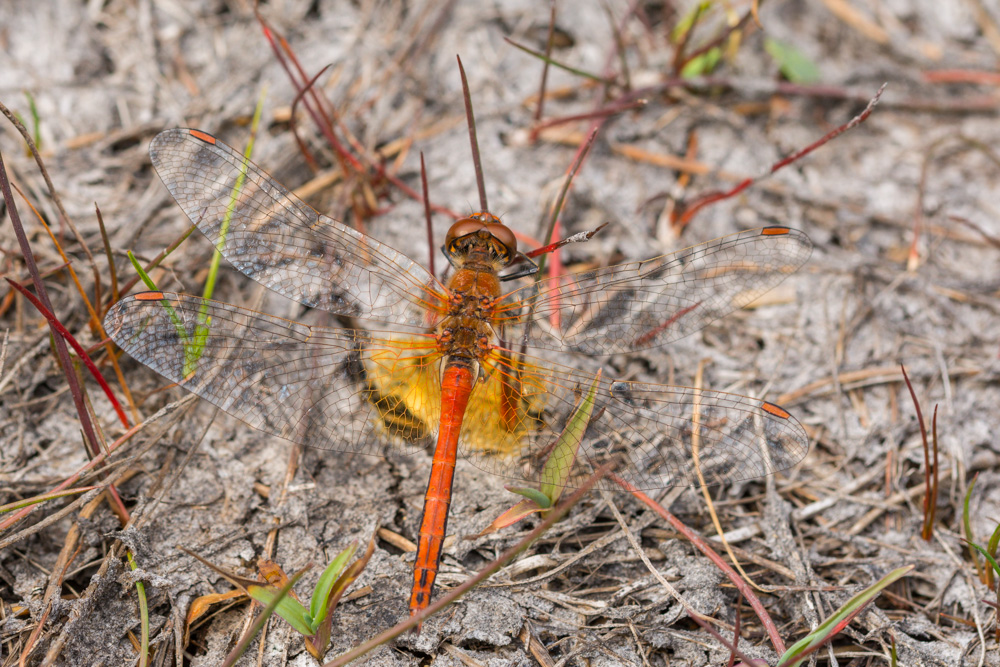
467, 328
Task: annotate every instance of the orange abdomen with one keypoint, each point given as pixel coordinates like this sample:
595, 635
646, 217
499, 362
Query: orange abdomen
456, 385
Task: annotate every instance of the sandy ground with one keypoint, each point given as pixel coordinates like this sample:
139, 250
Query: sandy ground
906, 269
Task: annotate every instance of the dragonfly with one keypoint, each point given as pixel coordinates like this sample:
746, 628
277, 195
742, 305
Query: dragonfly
471, 365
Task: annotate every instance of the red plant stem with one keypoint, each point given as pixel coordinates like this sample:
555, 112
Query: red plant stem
962, 76
107, 252
314, 107
702, 546
291, 120
612, 109
574, 238
427, 214
581, 154
64, 332
64, 218
545, 68
736, 631
651, 335
927, 531
344, 156
61, 351
934, 446
555, 269
711, 198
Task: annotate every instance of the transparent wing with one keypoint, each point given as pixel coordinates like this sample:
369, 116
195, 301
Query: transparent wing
307, 384
637, 305
657, 435
272, 237
357, 391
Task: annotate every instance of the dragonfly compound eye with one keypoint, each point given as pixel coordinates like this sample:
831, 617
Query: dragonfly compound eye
503, 234
461, 228
503, 237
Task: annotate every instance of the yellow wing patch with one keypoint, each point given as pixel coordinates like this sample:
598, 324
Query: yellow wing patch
403, 378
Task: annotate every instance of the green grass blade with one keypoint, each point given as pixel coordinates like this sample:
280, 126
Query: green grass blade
967, 523
560, 462
213, 269
992, 548
687, 22
36, 121
534, 495
174, 317
792, 63
140, 588
193, 352
147, 281
702, 65
284, 606
320, 641
986, 554
321, 594
800, 650
254, 630
35, 500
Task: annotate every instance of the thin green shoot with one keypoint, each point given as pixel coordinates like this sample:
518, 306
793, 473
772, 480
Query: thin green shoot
989, 555
991, 546
984, 574
558, 466
800, 651
45, 497
213, 269
792, 63
555, 63
36, 120
201, 331
140, 588
191, 352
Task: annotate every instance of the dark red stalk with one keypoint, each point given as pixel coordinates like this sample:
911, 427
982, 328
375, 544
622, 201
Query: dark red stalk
67, 365
471, 119
713, 197
702, 546
64, 332
427, 215
930, 491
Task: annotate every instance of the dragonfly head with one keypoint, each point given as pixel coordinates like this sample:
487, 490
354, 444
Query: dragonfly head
481, 232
